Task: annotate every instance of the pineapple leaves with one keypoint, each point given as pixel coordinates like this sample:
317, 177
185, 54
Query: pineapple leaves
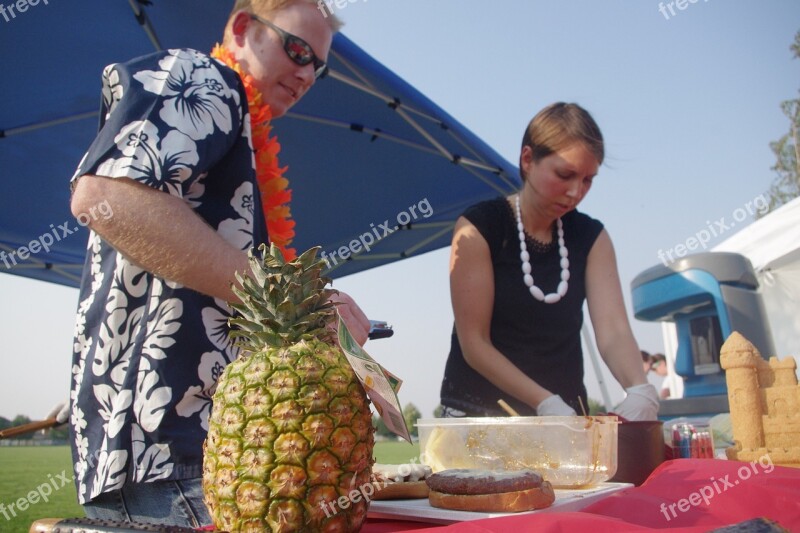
281, 301
295, 291
255, 267
285, 312
309, 257
275, 255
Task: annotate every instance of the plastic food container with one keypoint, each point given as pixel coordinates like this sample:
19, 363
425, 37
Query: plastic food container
568, 451
689, 438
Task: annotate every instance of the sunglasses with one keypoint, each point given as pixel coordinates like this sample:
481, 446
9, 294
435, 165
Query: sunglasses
296, 48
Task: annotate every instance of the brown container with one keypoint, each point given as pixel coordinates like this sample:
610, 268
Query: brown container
640, 449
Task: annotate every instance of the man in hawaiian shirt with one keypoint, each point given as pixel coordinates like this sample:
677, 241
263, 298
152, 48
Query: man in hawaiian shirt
173, 158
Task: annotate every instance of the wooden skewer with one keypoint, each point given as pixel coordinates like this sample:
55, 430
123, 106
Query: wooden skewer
583, 409
507, 408
28, 428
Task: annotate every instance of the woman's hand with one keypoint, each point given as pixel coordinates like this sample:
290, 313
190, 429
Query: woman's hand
554, 406
641, 403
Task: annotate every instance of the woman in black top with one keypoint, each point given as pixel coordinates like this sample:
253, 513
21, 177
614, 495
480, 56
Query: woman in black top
520, 270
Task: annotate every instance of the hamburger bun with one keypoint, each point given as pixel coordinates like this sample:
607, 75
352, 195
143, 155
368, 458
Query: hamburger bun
399, 482
400, 490
489, 490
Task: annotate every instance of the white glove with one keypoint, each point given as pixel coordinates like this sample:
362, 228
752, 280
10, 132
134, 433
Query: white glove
641, 403
554, 406
60, 412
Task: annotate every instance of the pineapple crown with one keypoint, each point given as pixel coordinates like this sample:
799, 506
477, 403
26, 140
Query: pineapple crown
282, 302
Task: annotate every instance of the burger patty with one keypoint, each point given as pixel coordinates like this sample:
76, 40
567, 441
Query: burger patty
472, 481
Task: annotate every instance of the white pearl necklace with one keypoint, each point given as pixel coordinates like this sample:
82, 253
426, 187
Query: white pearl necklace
536, 292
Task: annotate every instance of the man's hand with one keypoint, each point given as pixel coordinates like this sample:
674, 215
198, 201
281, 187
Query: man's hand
354, 318
60, 412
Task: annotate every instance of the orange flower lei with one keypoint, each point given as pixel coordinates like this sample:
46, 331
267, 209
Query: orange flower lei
275, 196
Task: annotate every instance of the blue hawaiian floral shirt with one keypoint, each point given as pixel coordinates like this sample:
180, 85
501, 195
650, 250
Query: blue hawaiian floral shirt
147, 351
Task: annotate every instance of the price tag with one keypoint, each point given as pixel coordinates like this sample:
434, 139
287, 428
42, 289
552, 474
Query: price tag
380, 384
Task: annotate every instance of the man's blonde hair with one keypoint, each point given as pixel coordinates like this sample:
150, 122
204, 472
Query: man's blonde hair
267, 7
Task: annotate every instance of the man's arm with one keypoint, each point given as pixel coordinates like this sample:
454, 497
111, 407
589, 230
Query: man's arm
162, 234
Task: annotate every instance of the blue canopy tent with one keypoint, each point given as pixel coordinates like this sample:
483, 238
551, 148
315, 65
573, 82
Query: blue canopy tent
364, 149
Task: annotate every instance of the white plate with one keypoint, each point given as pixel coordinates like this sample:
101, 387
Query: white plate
567, 500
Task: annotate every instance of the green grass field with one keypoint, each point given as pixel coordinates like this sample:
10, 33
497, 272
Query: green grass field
32, 474
395, 452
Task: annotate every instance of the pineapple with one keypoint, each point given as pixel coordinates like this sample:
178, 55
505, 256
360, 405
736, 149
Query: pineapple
290, 433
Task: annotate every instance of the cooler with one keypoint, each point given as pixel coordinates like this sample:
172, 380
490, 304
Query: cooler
708, 296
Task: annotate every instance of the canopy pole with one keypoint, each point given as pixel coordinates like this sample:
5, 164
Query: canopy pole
144, 22
589, 343
46, 124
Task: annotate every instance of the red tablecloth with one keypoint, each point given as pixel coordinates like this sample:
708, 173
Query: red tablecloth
687, 495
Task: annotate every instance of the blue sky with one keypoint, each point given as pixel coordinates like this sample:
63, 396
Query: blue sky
688, 106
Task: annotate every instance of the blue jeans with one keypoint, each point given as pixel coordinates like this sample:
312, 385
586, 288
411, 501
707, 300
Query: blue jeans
169, 503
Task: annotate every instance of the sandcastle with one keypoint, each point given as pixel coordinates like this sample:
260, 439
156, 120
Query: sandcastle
764, 400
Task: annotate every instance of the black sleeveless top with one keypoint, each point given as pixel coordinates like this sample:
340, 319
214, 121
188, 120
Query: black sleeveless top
542, 340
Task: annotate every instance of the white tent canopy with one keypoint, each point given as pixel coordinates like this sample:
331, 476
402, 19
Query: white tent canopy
773, 246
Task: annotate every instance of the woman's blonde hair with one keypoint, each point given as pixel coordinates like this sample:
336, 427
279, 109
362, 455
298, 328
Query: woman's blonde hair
557, 126
267, 7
